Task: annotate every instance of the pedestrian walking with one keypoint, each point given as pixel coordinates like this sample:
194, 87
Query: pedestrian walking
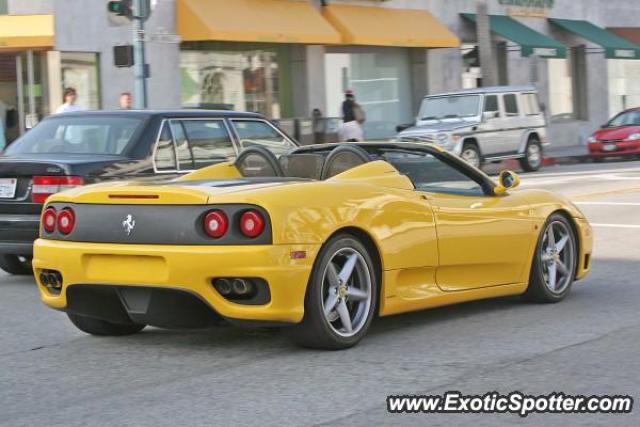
126, 101
69, 106
352, 117
319, 126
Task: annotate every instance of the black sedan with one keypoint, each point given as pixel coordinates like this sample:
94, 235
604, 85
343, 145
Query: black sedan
67, 150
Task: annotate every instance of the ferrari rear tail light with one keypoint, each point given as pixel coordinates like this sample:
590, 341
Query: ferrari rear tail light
216, 224
45, 186
66, 221
49, 218
252, 223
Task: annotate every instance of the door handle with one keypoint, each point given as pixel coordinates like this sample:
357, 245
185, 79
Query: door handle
476, 205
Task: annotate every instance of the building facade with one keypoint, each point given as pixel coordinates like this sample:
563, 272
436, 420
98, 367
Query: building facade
285, 58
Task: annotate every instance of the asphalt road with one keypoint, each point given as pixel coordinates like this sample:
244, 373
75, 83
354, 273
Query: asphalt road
52, 374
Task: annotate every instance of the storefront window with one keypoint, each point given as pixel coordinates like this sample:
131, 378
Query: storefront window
624, 85
241, 80
80, 71
560, 89
380, 80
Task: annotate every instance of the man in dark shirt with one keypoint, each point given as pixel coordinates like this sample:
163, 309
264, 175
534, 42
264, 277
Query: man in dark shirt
348, 106
351, 129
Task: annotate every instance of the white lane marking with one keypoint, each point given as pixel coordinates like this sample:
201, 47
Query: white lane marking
607, 203
617, 225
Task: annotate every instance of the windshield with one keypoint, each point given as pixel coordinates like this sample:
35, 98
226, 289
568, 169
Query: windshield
629, 118
450, 107
79, 135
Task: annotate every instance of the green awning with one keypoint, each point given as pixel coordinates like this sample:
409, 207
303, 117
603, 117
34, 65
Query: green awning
614, 46
530, 41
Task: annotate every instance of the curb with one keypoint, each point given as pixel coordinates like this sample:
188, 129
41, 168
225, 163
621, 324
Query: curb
552, 161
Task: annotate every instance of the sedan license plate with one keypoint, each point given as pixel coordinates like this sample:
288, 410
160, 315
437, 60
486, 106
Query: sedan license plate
611, 147
8, 188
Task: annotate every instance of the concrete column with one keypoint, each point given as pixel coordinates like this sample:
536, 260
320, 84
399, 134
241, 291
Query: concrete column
444, 70
54, 79
308, 79
419, 77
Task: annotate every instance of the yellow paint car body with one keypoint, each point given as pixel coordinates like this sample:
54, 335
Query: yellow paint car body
433, 249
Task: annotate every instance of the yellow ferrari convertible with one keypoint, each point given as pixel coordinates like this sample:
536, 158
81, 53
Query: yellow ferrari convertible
322, 240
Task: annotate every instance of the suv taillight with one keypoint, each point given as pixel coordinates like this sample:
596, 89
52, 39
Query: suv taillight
44, 186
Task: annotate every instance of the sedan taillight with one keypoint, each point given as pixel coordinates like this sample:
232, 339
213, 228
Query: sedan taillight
45, 186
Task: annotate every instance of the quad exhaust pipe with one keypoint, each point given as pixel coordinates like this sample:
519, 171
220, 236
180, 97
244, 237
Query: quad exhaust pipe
52, 280
235, 287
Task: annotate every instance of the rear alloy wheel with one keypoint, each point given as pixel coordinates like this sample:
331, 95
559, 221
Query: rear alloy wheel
532, 159
19, 265
341, 298
99, 327
471, 155
554, 265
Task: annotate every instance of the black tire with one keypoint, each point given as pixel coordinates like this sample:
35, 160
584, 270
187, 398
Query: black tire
99, 327
18, 265
315, 330
472, 148
528, 163
538, 290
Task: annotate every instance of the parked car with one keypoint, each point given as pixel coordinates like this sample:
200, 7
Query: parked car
322, 241
619, 137
68, 150
484, 124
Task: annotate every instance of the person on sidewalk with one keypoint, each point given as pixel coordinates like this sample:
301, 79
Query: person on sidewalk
69, 106
352, 117
126, 101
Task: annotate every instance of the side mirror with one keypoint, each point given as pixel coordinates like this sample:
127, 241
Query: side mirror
507, 180
486, 115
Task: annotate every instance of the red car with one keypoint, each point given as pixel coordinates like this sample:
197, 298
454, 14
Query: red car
619, 137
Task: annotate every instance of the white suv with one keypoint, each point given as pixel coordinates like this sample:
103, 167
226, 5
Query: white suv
484, 124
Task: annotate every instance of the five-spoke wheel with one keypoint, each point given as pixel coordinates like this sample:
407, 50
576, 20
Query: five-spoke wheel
554, 266
347, 292
341, 297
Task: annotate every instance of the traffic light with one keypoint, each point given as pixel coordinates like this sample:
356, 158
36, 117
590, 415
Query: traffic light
121, 8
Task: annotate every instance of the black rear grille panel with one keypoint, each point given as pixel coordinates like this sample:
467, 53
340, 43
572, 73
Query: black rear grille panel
156, 224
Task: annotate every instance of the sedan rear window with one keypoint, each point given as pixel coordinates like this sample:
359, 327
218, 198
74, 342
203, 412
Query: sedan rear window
92, 134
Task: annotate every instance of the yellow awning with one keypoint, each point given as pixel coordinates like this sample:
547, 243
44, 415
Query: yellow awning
273, 21
26, 31
383, 26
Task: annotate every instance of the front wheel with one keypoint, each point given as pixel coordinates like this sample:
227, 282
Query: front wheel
554, 264
341, 298
99, 327
18, 265
532, 159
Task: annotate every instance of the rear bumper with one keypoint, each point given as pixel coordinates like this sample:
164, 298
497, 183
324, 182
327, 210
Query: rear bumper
183, 268
620, 149
17, 233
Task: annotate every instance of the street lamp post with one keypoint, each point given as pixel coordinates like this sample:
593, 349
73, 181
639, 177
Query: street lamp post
140, 66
